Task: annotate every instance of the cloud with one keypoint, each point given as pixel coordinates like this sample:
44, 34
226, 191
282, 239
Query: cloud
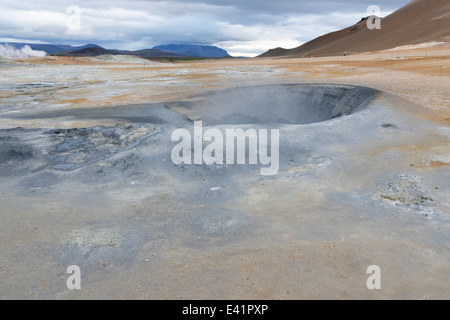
252, 26
10, 52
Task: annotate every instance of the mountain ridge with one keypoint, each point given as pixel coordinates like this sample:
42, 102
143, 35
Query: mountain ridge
194, 50
176, 51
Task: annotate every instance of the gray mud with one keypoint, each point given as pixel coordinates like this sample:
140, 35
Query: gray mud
280, 104
110, 200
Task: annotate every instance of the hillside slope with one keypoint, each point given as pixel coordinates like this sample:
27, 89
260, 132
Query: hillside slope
417, 22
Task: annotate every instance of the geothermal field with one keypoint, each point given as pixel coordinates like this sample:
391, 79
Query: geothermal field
363, 177
172, 168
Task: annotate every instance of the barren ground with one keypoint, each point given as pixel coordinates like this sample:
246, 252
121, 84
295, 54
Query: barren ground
311, 232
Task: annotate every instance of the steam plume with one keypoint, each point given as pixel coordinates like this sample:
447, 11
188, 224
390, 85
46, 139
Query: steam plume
8, 51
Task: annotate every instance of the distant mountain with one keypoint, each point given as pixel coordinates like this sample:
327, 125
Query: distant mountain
417, 22
86, 52
49, 48
93, 50
98, 51
150, 53
194, 50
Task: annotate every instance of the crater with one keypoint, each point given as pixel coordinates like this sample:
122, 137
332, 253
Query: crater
283, 104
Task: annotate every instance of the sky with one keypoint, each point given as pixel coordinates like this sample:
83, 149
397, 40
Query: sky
242, 27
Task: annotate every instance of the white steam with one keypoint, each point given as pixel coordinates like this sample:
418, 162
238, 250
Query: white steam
10, 52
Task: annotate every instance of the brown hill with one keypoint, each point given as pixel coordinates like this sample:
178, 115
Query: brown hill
417, 22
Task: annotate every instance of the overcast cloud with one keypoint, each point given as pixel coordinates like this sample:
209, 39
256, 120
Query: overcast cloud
242, 27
